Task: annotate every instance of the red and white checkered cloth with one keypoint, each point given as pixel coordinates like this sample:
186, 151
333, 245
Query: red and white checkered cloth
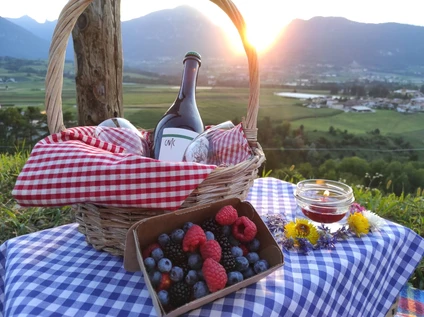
230, 147
73, 166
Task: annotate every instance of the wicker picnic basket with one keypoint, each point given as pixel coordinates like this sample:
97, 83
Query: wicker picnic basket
105, 227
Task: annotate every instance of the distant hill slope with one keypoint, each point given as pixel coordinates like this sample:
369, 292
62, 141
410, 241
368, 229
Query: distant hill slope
171, 33
42, 30
168, 34
18, 42
161, 35
339, 41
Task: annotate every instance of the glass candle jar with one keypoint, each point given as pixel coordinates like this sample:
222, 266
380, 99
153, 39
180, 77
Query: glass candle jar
324, 201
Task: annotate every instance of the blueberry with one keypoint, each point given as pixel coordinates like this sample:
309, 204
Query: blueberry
191, 277
241, 263
234, 277
252, 257
253, 245
249, 272
176, 274
209, 235
157, 254
177, 235
164, 265
187, 226
195, 261
233, 241
200, 275
226, 230
155, 278
236, 251
150, 264
200, 289
163, 297
261, 266
164, 239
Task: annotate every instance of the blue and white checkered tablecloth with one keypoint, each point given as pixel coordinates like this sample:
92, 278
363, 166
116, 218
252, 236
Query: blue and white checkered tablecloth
55, 273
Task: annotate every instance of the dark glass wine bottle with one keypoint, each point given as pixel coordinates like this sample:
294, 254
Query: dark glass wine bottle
181, 123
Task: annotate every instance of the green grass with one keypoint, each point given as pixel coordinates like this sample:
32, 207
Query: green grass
15, 221
386, 121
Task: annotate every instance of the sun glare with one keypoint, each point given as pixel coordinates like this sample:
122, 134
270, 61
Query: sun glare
260, 37
264, 22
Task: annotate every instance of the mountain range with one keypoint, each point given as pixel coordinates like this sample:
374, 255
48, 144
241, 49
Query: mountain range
169, 34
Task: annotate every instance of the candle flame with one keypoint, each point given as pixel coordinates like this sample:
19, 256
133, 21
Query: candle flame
326, 193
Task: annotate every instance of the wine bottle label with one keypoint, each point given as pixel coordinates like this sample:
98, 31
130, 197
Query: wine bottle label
174, 143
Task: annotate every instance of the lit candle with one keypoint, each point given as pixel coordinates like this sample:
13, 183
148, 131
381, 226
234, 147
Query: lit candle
324, 201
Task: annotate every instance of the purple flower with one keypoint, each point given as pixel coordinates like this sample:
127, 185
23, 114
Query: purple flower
341, 234
327, 241
304, 245
355, 207
288, 244
323, 228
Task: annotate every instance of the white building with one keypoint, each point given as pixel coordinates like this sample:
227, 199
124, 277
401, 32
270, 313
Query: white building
361, 109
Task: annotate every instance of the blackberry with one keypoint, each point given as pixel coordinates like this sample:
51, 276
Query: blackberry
211, 225
175, 253
179, 294
185, 268
228, 260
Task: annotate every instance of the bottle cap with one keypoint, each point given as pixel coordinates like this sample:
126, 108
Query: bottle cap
191, 55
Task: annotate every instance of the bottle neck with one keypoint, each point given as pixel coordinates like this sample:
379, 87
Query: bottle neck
189, 79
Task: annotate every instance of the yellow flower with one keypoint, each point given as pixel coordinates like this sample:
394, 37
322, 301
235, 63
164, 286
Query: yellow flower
358, 223
302, 228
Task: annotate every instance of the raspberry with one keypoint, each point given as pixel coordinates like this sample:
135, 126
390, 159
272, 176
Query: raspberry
226, 216
214, 274
148, 251
165, 282
244, 248
244, 229
211, 249
194, 237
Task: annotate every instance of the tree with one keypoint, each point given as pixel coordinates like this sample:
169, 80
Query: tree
98, 50
334, 89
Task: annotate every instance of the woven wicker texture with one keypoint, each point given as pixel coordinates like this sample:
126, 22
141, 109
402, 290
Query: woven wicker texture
104, 227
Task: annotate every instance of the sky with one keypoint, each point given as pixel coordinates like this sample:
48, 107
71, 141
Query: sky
265, 18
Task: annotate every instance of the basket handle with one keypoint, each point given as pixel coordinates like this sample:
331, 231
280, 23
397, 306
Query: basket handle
66, 22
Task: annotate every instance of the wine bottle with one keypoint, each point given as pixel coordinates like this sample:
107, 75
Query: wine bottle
181, 123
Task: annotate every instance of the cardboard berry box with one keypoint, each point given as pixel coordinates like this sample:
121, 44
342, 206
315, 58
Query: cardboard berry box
146, 232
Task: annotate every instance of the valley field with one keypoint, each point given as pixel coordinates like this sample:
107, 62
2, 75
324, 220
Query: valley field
144, 105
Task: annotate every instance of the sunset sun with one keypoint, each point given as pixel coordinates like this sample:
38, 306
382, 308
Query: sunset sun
260, 36
262, 25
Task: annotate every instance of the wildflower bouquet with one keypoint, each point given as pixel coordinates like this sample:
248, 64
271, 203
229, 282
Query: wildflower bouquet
303, 235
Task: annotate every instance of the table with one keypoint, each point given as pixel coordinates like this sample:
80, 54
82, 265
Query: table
55, 273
